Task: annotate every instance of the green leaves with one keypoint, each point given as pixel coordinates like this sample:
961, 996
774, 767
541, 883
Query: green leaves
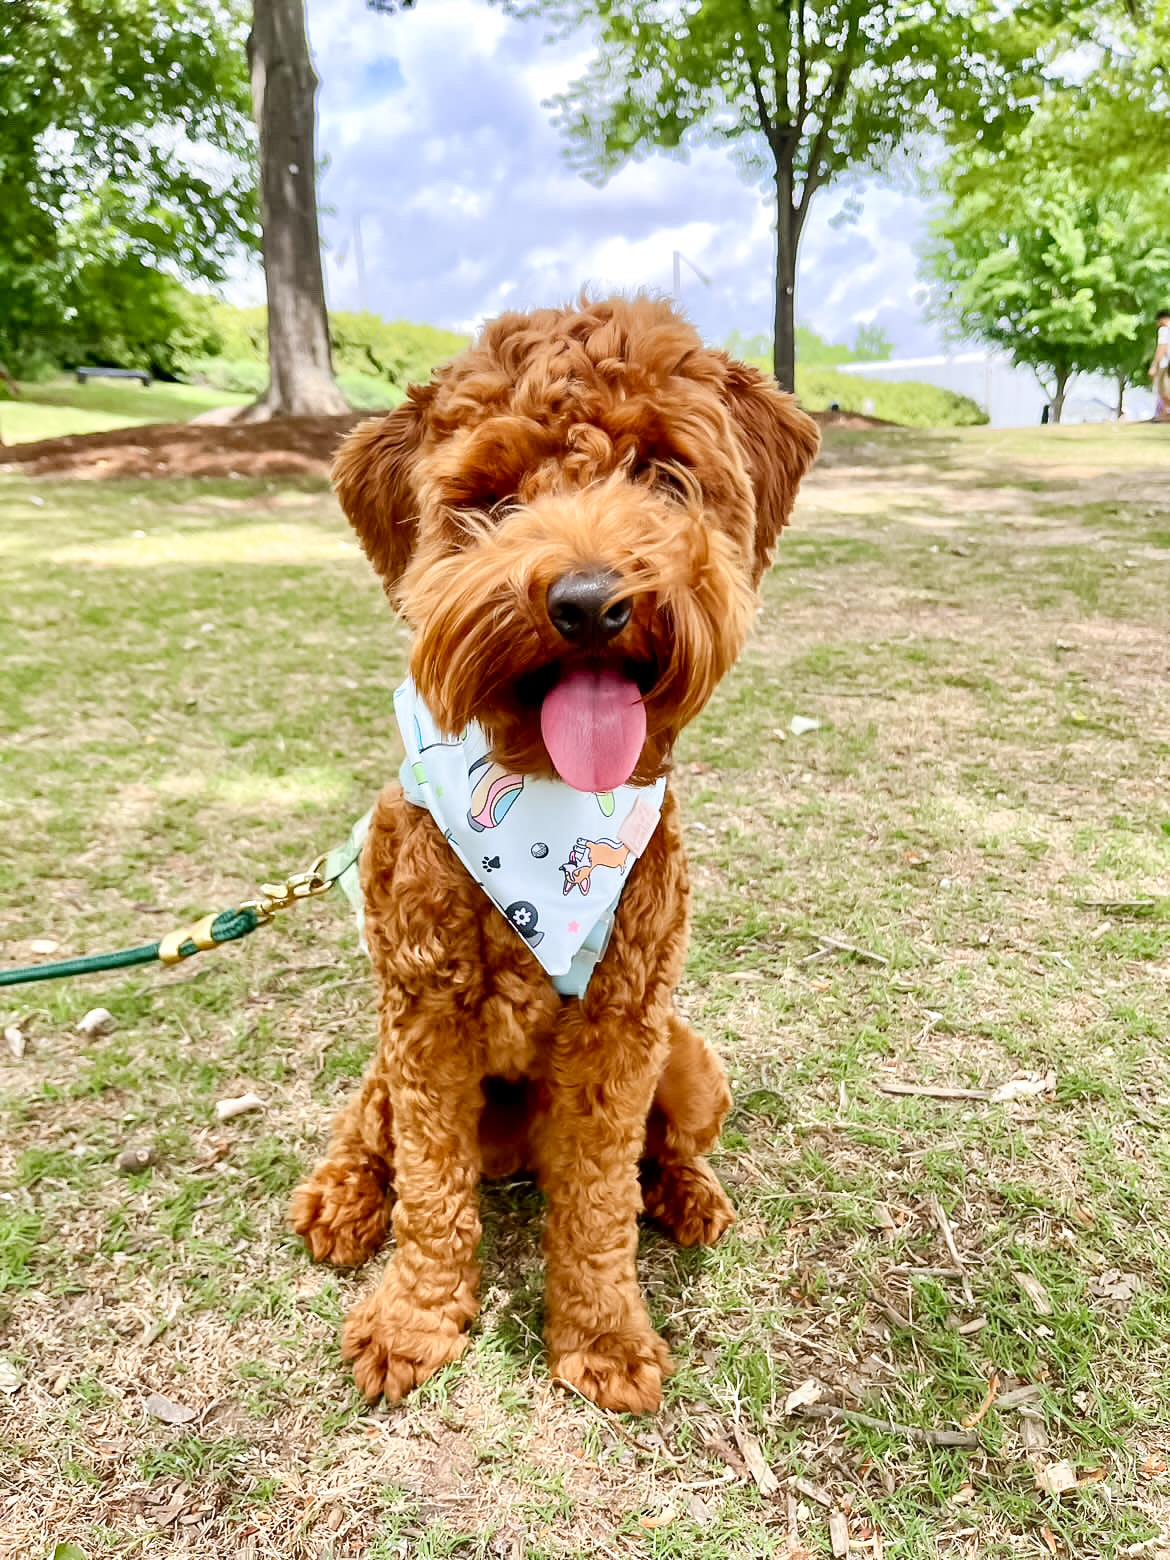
124, 142
834, 85
1052, 264
1056, 245
806, 92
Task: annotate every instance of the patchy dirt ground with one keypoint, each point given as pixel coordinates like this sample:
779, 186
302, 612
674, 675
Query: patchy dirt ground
286, 446
930, 939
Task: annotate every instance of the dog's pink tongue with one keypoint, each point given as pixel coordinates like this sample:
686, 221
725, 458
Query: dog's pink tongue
594, 724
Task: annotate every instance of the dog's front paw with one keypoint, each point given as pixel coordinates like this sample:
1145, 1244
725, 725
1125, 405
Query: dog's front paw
342, 1210
620, 1371
685, 1197
394, 1346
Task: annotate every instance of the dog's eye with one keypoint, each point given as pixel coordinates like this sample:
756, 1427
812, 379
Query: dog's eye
485, 506
672, 483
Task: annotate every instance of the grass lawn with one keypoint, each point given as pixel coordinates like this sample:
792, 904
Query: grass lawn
932, 938
62, 407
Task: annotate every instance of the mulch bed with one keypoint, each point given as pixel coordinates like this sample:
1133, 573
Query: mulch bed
284, 446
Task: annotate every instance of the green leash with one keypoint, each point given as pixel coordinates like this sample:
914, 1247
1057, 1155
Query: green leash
337, 867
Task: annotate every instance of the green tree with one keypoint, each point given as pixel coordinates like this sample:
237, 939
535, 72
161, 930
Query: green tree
125, 153
1084, 182
1110, 118
807, 92
1061, 274
872, 345
812, 350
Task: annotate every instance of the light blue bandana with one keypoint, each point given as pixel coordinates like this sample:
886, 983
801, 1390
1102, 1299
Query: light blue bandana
552, 859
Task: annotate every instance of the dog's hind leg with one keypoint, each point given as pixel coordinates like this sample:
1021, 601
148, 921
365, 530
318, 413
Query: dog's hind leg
343, 1209
680, 1191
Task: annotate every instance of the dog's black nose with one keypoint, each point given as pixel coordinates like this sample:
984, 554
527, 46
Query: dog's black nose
582, 610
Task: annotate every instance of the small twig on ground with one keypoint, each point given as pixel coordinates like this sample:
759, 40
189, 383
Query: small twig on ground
1119, 906
835, 945
897, 1318
938, 1212
791, 1514
965, 1439
616, 1425
851, 693
812, 1491
156, 1329
282, 970
1055, 958
934, 1091
904, 1271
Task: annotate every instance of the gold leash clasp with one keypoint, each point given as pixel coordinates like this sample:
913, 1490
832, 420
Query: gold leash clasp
294, 889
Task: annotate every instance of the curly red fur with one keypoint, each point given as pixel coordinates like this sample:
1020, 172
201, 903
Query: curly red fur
603, 437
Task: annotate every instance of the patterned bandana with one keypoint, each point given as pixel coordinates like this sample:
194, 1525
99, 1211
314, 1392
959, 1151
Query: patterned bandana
554, 860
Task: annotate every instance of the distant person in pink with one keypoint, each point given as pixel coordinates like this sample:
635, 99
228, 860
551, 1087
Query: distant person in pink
1160, 369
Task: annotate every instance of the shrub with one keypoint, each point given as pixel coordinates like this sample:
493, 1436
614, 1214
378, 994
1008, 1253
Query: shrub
373, 359
243, 376
908, 402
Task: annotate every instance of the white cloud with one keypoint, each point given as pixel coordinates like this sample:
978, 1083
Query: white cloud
439, 149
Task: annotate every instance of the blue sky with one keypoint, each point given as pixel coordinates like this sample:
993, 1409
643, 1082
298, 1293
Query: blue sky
439, 152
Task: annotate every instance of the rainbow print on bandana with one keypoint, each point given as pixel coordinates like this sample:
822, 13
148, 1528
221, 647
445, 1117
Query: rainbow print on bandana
494, 789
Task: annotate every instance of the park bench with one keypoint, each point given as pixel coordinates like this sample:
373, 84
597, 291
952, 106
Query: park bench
112, 373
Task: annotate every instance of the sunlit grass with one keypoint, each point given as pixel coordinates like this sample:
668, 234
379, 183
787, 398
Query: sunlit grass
61, 407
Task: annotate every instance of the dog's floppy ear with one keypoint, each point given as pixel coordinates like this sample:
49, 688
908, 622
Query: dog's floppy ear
779, 443
373, 474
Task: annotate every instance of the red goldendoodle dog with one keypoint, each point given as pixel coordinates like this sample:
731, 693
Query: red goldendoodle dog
573, 517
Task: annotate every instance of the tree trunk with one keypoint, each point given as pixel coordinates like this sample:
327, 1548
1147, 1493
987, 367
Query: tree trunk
787, 239
284, 88
1122, 385
1062, 378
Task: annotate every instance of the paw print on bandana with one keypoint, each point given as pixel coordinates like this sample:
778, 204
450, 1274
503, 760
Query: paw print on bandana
491, 863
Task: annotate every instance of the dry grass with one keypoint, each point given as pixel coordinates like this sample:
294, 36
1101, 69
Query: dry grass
979, 623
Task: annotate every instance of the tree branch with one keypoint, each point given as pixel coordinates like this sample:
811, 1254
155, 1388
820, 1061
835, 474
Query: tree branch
752, 29
814, 177
801, 66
